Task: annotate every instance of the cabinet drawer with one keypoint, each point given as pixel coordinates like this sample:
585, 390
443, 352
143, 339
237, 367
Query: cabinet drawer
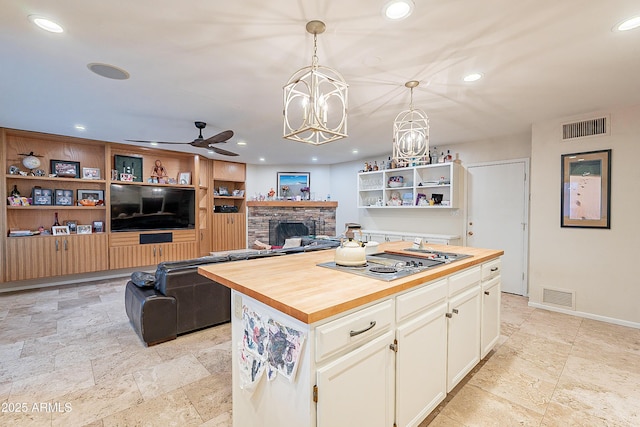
491, 269
463, 280
420, 299
353, 330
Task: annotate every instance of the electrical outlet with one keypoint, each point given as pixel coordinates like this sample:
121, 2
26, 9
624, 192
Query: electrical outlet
417, 243
237, 306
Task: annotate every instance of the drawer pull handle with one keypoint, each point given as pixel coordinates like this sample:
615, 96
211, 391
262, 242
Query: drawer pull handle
486, 292
494, 268
448, 315
455, 311
362, 331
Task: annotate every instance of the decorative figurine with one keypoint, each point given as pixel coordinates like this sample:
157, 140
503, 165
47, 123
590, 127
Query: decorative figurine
159, 173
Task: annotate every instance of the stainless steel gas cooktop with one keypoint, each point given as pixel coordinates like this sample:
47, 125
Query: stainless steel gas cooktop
389, 266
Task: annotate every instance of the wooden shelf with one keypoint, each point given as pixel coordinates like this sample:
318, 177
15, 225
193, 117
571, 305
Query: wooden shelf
55, 207
56, 179
293, 203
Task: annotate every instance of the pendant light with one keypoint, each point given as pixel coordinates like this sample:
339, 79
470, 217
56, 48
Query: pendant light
411, 134
315, 100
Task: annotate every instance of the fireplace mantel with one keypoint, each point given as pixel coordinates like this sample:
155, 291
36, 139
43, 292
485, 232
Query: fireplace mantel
292, 204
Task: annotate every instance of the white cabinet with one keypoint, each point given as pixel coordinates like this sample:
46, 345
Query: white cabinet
491, 297
357, 389
463, 333
404, 187
421, 360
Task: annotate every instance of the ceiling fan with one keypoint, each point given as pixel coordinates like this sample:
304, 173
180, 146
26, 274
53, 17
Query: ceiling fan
200, 142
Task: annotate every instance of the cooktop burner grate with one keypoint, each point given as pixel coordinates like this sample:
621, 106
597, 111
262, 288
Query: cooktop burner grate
381, 269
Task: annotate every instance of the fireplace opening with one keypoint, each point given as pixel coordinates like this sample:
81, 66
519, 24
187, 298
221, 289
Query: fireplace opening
279, 230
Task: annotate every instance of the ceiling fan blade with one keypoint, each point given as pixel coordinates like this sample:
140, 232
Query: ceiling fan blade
156, 142
221, 137
223, 152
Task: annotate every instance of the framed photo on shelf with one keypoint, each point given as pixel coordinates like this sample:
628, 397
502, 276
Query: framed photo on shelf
129, 166
91, 195
290, 184
59, 230
41, 196
65, 168
84, 229
72, 224
90, 173
586, 190
98, 226
63, 197
184, 178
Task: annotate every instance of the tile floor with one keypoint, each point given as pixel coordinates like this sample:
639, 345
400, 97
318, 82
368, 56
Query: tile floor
68, 357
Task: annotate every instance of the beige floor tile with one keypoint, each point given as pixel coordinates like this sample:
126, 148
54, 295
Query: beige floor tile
544, 358
599, 391
211, 396
507, 376
26, 367
558, 415
167, 376
222, 420
27, 418
51, 385
443, 421
91, 404
171, 409
110, 367
473, 407
217, 358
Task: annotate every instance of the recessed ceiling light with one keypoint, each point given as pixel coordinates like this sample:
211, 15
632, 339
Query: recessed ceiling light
46, 24
355, 151
261, 159
629, 24
241, 143
153, 143
108, 71
396, 10
80, 128
472, 77
208, 151
314, 159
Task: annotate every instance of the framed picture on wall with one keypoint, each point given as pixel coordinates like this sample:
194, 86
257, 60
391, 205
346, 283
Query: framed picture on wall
292, 184
586, 190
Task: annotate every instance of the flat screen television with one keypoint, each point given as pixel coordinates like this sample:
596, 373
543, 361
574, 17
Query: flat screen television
146, 207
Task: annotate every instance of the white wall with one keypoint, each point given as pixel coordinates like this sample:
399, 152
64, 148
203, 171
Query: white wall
598, 264
262, 178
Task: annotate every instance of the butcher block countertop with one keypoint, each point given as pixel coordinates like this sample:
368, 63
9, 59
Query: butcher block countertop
295, 285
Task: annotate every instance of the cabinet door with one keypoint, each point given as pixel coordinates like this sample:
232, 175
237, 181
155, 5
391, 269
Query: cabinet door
463, 344
421, 366
32, 257
228, 231
490, 332
83, 253
173, 251
130, 256
357, 389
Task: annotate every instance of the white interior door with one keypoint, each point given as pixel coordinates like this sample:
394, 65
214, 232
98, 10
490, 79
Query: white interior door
497, 216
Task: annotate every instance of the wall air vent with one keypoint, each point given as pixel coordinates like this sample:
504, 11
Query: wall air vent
559, 297
584, 128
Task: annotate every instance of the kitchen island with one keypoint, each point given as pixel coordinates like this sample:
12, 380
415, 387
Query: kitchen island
319, 347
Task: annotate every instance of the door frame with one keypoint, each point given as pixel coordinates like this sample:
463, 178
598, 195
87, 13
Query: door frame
527, 213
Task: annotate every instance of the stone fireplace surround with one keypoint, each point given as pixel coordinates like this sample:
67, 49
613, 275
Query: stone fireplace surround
263, 216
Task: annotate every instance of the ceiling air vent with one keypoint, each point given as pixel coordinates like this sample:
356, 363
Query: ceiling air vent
591, 127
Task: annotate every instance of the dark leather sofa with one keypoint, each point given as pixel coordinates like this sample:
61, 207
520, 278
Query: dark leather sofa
177, 300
